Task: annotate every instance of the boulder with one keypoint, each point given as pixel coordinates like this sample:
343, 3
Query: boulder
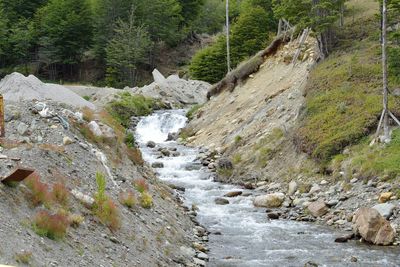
172, 136
233, 194
165, 152
385, 209
384, 197
221, 201
372, 227
315, 189
318, 208
151, 144
95, 128
292, 188
274, 200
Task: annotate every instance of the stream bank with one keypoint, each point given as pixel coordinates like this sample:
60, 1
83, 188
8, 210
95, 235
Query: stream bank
241, 235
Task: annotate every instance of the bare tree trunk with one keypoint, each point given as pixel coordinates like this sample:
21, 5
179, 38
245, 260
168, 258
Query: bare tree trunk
228, 52
385, 72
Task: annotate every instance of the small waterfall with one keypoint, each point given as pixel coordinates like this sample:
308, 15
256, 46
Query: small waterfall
157, 126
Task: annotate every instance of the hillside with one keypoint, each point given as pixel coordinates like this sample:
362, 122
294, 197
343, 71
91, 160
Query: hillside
307, 128
91, 200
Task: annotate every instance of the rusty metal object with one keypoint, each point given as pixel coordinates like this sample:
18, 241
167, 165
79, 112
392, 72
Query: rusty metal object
2, 123
18, 175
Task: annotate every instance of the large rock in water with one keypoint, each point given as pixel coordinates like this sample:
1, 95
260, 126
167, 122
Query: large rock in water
274, 200
372, 227
318, 208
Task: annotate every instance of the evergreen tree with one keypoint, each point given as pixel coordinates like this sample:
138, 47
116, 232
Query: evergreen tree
3, 35
128, 48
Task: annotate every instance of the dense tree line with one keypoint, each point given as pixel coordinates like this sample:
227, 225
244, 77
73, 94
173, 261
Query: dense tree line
59, 39
119, 39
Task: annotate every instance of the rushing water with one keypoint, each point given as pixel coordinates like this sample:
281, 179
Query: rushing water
245, 236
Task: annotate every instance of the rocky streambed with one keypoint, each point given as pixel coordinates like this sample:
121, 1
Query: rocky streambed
240, 234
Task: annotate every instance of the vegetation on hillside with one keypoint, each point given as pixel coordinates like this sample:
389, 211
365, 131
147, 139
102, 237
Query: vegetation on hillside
344, 93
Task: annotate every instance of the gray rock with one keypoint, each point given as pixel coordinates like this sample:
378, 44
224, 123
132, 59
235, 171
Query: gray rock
274, 200
292, 188
151, 144
233, 194
199, 262
385, 209
315, 189
157, 165
318, 208
202, 256
225, 163
22, 128
221, 201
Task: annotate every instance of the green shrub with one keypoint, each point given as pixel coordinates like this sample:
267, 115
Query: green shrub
127, 199
131, 105
146, 201
104, 208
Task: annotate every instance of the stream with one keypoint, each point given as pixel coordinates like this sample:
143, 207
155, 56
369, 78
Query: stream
246, 237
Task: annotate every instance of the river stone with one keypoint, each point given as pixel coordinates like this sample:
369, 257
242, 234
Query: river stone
202, 256
22, 128
372, 227
157, 165
67, 141
385, 209
187, 251
315, 189
318, 208
384, 197
95, 128
151, 144
199, 262
221, 201
165, 152
292, 188
273, 200
233, 194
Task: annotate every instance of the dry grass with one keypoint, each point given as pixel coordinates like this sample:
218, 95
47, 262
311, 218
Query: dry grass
53, 226
38, 191
60, 194
141, 185
23, 257
146, 200
128, 199
52, 148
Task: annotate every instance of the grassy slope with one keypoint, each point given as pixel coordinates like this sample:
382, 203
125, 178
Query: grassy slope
344, 92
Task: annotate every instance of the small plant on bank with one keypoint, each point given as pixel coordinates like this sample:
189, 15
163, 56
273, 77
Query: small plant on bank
130, 140
60, 194
146, 200
104, 208
23, 257
53, 226
192, 111
75, 220
141, 185
238, 139
39, 191
127, 199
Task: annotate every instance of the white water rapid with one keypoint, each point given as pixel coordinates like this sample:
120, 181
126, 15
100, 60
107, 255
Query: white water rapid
242, 235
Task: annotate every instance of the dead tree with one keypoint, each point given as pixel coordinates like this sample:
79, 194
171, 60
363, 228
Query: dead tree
384, 120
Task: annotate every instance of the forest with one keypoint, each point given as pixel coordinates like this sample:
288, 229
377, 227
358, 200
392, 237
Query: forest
116, 42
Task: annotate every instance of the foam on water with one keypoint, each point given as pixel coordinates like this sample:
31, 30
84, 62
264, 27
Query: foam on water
247, 237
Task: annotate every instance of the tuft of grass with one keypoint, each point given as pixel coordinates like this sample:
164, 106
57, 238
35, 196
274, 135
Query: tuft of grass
60, 194
129, 140
87, 98
76, 220
192, 111
127, 199
38, 191
380, 159
23, 257
236, 159
104, 208
238, 139
146, 200
52, 226
141, 185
